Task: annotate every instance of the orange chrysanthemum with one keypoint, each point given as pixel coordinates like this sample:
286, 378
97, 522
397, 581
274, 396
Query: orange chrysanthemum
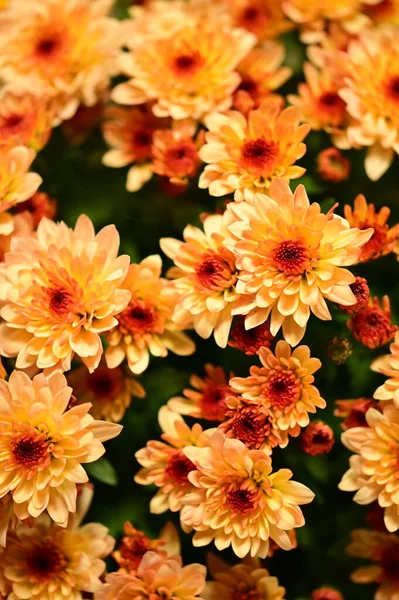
188, 74
263, 18
353, 411
385, 11
372, 326
49, 562
238, 501
164, 463
284, 385
333, 166
129, 132
43, 48
363, 216
382, 549
38, 206
250, 341
317, 438
157, 577
246, 579
373, 102
16, 184
388, 366
361, 292
205, 277
145, 326
63, 291
245, 154
373, 472
175, 154
208, 398
289, 258
109, 391
42, 445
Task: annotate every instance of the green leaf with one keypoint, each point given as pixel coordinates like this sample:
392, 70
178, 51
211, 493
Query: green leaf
103, 471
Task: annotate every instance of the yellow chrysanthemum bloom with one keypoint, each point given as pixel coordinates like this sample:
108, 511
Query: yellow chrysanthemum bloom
65, 49
61, 290
245, 154
284, 385
16, 184
263, 18
42, 445
239, 502
373, 472
373, 102
50, 563
188, 74
290, 258
205, 277
145, 327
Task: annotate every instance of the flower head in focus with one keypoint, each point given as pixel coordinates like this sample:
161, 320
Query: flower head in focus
16, 184
372, 326
63, 291
250, 341
244, 154
238, 501
388, 365
145, 326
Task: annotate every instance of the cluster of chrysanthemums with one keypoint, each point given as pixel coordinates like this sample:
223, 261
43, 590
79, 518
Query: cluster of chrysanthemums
197, 99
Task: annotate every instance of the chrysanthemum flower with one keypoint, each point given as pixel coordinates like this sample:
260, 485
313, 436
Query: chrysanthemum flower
290, 257
12, 226
191, 73
8, 521
109, 391
388, 366
63, 290
353, 411
263, 18
246, 579
205, 277
49, 562
245, 154
382, 549
43, 48
317, 438
372, 102
373, 472
361, 292
363, 216
175, 154
38, 206
164, 463
253, 424
373, 326
129, 132
333, 166
43, 445
157, 576
284, 385
385, 11
238, 501
326, 593
145, 326
249, 341
16, 184
208, 398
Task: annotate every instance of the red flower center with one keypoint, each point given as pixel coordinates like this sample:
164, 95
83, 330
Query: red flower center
47, 47
13, 122
142, 143
333, 105
29, 448
212, 402
251, 426
258, 155
61, 302
240, 500
292, 257
45, 561
104, 383
282, 389
393, 88
245, 595
181, 160
140, 318
187, 64
214, 273
179, 466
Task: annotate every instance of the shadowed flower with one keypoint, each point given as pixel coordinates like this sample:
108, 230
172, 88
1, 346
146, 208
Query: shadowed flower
363, 216
249, 341
42, 445
317, 438
289, 257
284, 385
263, 18
129, 132
326, 593
8, 521
12, 226
145, 326
361, 292
164, 463
339, 349
373, 472
109, 391
353, 411
16, 184
238, 501
382, 549
333, 166
175, 153
188, 74
245, 154
48, 562
244, 580
63, 291
372, 326
205, 277
208, 398
156, 577
39, 205
388, 366
43, 48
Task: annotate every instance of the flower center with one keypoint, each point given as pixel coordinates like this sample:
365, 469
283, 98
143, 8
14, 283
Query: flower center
248, 85
212, 403
140, 318
214, 273
245, 595
258, 155
29, 448
282, 389
292, 257
61, 302
142, 143
393, 88
45, 561
178, 468
46, 47
390, 562
251, 426
103, 383
240, 500
187, 64
13, 121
